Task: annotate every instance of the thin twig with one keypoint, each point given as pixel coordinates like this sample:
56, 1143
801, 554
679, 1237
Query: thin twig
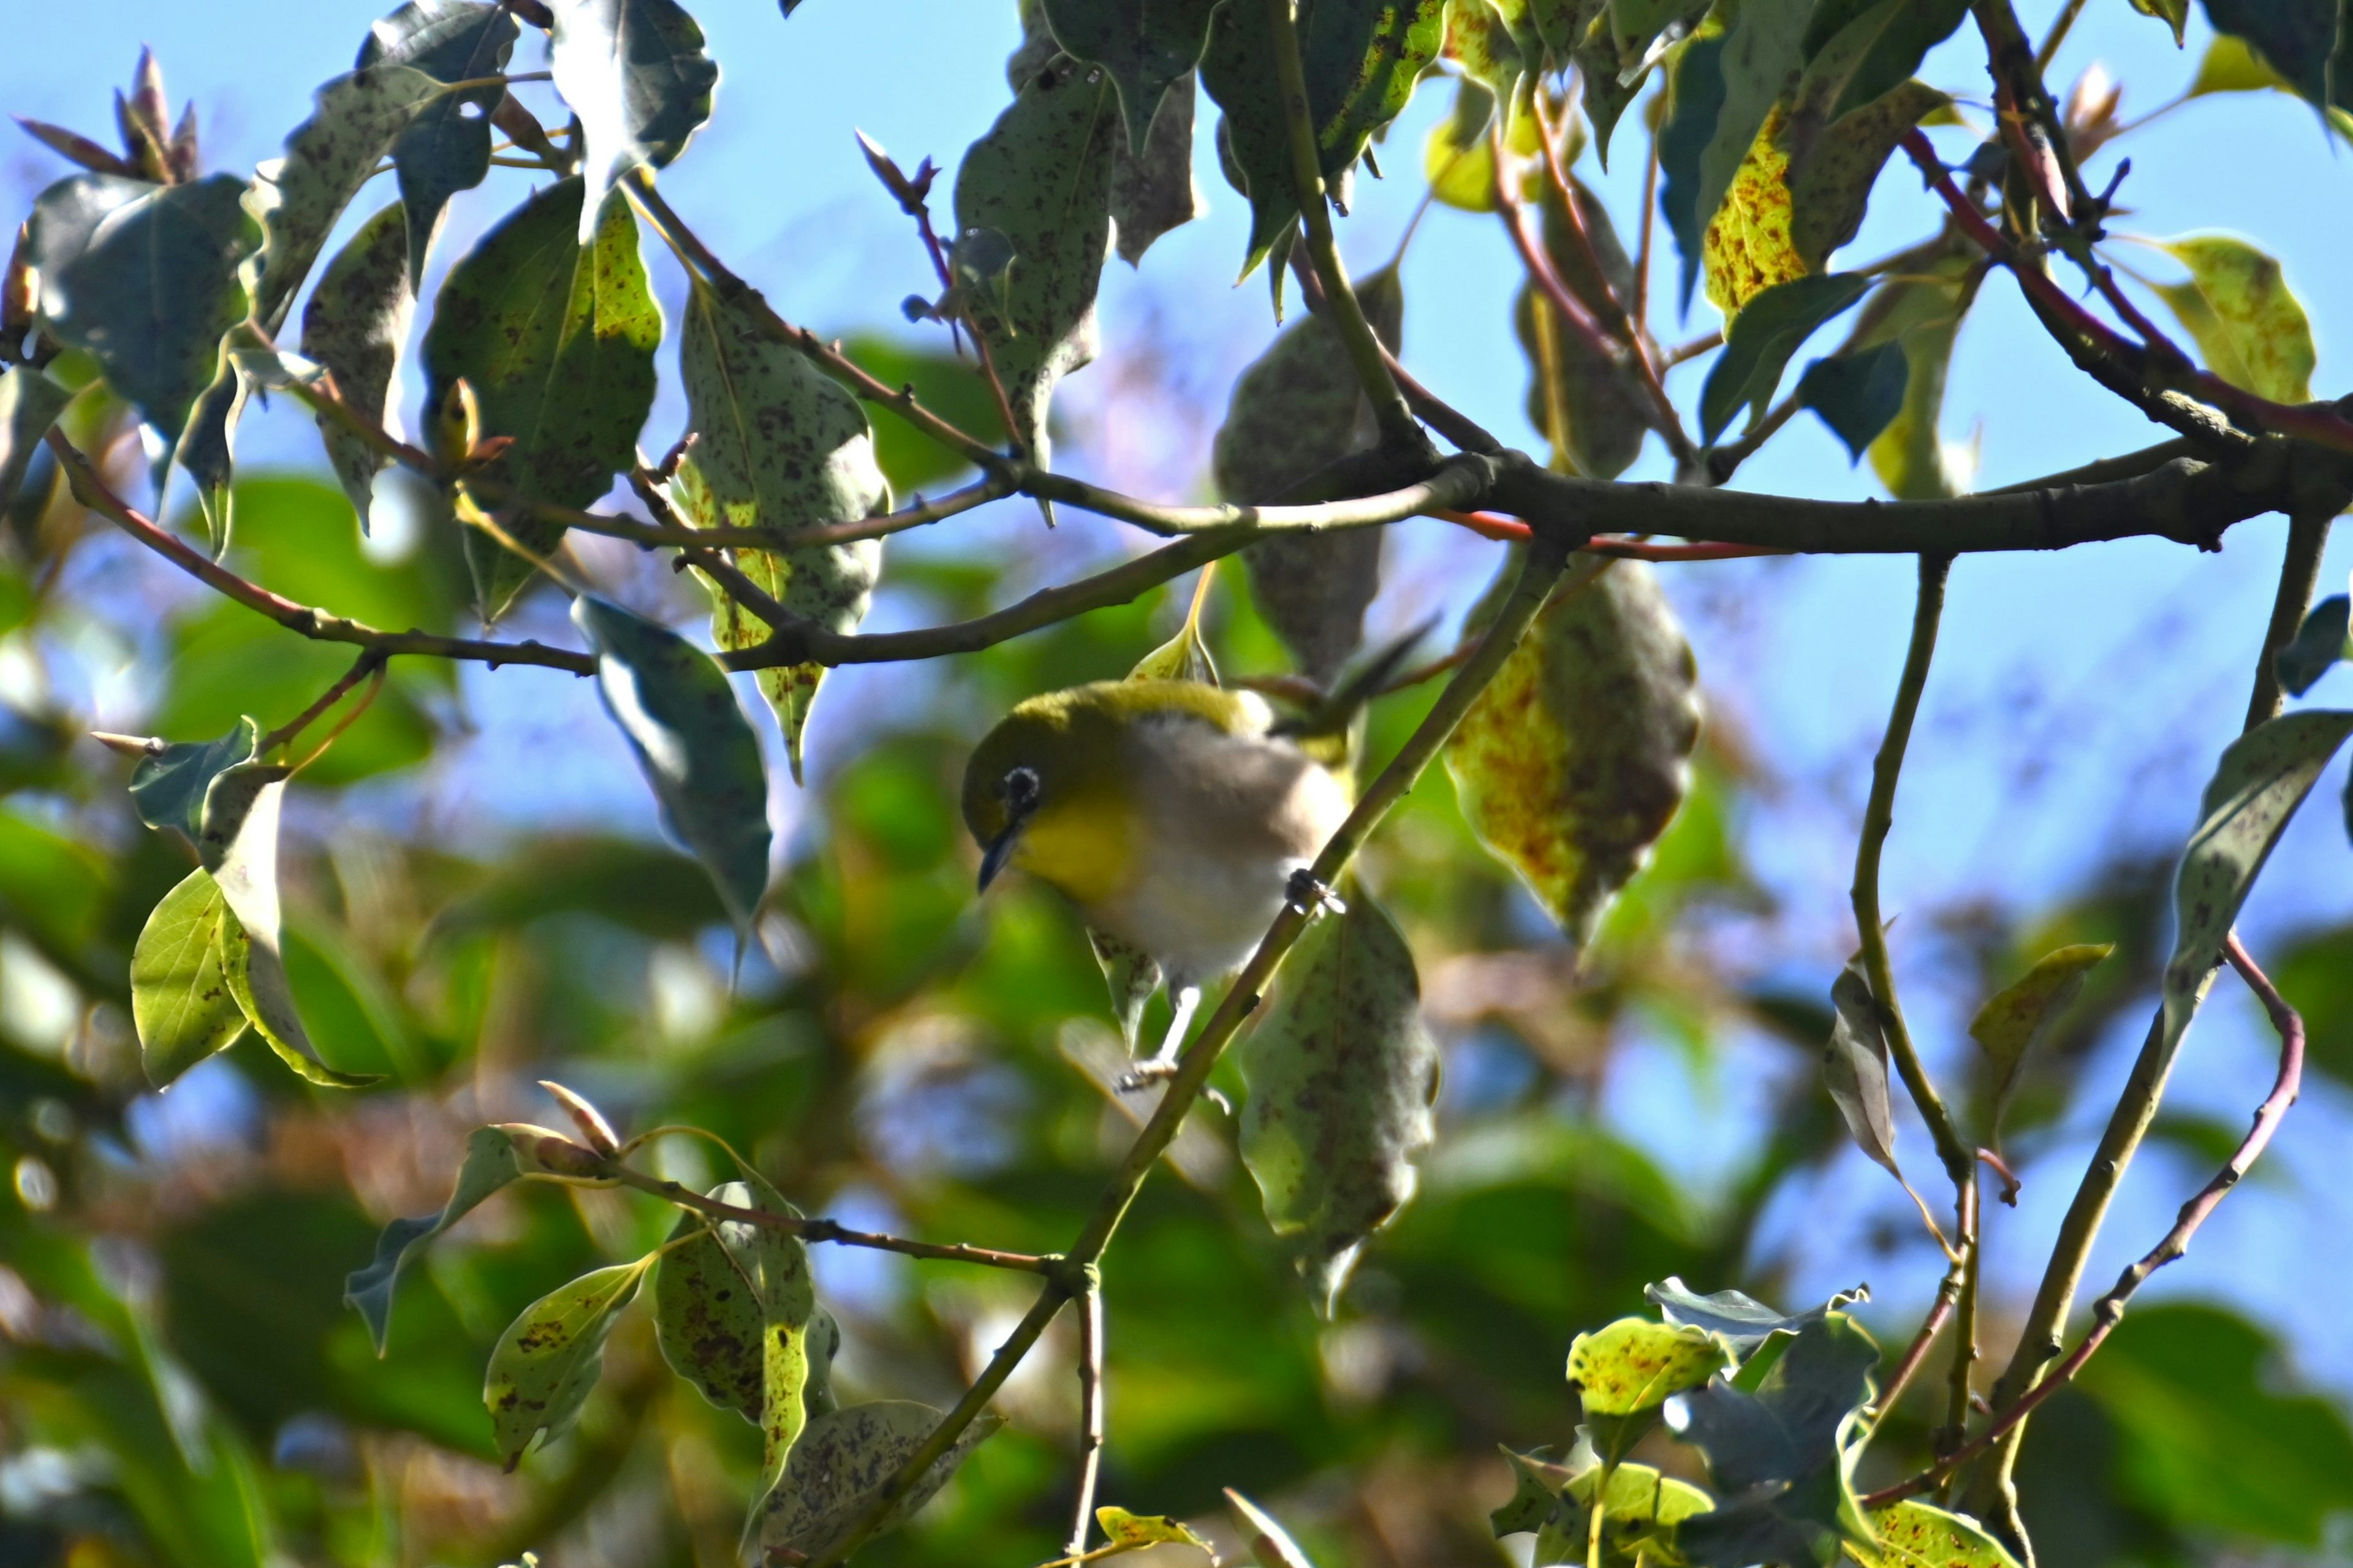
833, 1231
1940, 1312
369, 661
2109, 1311
1090, 1417
1960, 1380
2057, 36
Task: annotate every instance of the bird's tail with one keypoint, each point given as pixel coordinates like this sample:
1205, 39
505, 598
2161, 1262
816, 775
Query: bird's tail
1328, 729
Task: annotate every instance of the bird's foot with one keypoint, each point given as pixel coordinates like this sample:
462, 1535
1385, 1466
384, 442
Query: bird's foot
1144, 1074
1309, 893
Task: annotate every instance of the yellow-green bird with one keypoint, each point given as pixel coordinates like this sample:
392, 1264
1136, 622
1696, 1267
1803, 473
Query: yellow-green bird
1173, 812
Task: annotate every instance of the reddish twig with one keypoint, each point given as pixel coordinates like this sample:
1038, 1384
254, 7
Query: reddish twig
368, 664
2109, 1311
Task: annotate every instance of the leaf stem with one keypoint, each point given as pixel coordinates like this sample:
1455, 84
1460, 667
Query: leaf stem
1397, 428
833, 1231
2109, 1311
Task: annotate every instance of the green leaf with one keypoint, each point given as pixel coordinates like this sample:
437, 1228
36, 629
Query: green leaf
1635, 1364
1854, 1067
950, 387
1696, 98
693, 743
1535, 1492
1767, 332
167, 787
2318, 644
1779, 1454
2260, 780
1129, 1531
2174, 14
1295, 409
490, 1164
444, 148
1145, 45
1042, 177
544, 1366
777, 444
29, 403
2021, 1015
1916, 1535
1832, 176
557, 342
1185, 657
1576, 757
1133, 976
1560, 25
147, 280
842, 1460
237, 842
2247, 325
733, 1310
1857, 394
1361, 57
359, 116
1739, 1321
1760, 63
1587, 403
2228, 65
1857, 51
1268, 1541
1342, 1074
180, 1000
1924, 315
636, 73
355, 325
1458, 158
1152, 192
1640, 1508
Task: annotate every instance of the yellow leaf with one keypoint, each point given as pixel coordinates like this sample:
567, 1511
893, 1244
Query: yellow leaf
1129, 1531
1747, 247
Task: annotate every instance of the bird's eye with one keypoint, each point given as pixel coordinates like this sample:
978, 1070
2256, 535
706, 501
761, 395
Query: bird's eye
1020, 791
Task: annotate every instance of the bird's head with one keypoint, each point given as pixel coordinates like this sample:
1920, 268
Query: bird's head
1051, 789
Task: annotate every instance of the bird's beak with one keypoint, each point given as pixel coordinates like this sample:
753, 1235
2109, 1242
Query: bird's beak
999, 851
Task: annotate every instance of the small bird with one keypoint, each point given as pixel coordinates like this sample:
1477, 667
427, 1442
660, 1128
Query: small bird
1174, 814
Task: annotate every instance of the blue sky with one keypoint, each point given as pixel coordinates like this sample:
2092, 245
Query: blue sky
2079, 698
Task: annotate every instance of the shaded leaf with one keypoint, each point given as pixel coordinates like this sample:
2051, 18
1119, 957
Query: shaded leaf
1133, 976
1854, 1067
355, 325
1127, 1530
1924, 317
1152, 192
1695, 99
445, 148
557, 343
841, 1462
167, 787
357, 118
2318, 644
1342, 1074
1361, 61
1739, 1321
1575, 758
1588, 402
777, 444
2174, 13
490, 1164
1858, 393
2248, 327
693, 743
949, 386
1145, 46
29, 403
180, 999
1536, 1484
2262, 778
636, 73
1778, 1455
544, 1365
2021, 1015
1762, 338
1858, 50
1297, 408
147, 280
1042, 178
1916, 1535
1831, 181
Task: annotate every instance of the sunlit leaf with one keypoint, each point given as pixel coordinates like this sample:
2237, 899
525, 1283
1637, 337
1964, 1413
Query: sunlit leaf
1575, 758
447, 147
29, 403
841, 1462
1759, 342
2249, 328
147, 280
1298, 407
490, 1164
1635, 1364
1639, 1509
1134, 1530
1924, 317
1342, 1074
180, 999
1749, 247
167, 787
2230, 65
1763, 55
544, 1365
1912, 1534
1042, 178
1268, 1541
1458, 158
355, 325
637, 74
777, 444
1145, 45
2021, 1015
2318, 644
557, 342
1854, 1067
691, 741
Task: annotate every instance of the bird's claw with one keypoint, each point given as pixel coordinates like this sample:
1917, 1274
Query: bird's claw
1144, 1074
1308, 893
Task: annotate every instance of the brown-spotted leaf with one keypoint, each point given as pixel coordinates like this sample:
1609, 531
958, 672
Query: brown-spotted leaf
2249, 327
1130, 1530
1586, 401
355, 325
841, 1463
548, 1360
1576, 757
2021, 1015
1342, 1074
1636, 1364
1153, 191
1830, 184
1748, 245
1913, 1535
